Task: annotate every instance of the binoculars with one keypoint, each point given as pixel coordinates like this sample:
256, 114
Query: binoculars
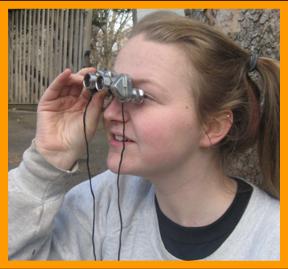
118, 85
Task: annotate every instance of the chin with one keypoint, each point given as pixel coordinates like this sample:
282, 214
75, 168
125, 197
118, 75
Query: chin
128, 166
113, 166
124, 170
113, 169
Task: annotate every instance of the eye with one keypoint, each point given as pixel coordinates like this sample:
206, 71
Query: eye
148, 97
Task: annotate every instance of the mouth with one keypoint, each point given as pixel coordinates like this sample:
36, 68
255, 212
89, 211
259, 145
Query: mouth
121, 138
118, 140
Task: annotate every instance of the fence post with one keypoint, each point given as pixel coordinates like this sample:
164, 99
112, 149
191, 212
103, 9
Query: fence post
87, 34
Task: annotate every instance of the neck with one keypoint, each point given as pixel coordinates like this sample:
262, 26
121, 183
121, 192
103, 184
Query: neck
196, 196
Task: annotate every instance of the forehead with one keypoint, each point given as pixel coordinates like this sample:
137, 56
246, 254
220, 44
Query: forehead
143, 59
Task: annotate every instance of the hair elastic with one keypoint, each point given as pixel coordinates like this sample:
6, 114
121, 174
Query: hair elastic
253, 62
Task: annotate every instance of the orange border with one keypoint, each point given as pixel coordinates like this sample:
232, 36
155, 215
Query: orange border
4, 6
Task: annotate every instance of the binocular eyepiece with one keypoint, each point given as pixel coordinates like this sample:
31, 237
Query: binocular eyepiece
118, 85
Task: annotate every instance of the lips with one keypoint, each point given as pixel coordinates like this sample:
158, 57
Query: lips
117, 138
120, 138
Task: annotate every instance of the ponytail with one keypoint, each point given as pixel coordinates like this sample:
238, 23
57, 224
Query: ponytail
268, 140
224, 83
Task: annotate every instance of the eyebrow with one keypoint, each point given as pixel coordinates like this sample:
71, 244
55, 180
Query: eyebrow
155, 84
134, 81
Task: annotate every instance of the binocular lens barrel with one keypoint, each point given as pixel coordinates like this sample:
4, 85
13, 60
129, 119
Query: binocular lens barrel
93, 81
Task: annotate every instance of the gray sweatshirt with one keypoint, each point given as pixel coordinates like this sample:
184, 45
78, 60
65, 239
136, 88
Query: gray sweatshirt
51, 219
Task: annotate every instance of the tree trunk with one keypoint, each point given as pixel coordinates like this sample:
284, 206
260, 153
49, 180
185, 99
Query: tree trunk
253, 29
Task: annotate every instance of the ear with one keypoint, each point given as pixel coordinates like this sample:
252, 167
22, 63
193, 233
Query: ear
216, 128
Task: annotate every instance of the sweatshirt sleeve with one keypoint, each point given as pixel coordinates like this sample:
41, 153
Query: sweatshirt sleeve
36, 191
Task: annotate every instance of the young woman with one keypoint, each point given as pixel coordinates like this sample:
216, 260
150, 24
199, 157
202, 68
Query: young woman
201, 105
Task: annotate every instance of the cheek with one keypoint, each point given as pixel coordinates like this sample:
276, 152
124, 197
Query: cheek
169, 131
153, 129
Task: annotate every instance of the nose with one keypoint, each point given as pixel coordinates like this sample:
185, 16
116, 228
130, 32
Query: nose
113, 112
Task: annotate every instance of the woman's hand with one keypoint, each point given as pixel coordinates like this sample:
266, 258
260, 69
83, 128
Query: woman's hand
59, 133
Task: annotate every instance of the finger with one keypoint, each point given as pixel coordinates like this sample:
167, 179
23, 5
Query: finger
64, 92
74, 86
86, 70
55, 88
85, 93
76, 79
75, 91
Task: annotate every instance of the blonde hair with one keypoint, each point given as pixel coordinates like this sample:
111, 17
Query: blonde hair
225, 83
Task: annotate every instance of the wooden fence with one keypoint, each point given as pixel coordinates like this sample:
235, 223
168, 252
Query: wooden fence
42, 43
